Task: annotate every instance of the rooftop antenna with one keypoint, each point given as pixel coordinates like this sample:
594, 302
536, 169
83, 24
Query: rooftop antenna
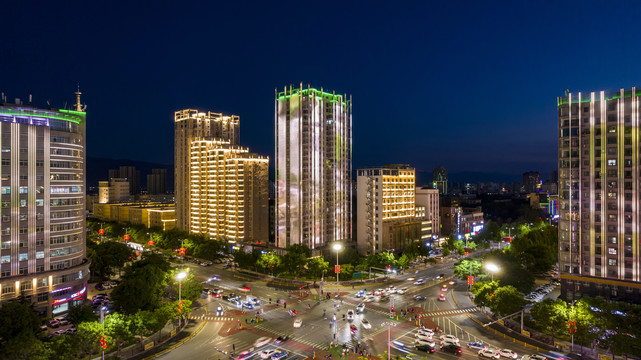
30, 99
79, 106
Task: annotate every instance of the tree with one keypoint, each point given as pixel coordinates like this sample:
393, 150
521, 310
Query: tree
142, 285
118, 326
403, 261
347, 271
143, 323
17, 318
296, 258
269, 262
465, 268
191, 288
107, 256
551, 316
317, 266
86, 339
24, 346
483, 291
81, 313
506, 300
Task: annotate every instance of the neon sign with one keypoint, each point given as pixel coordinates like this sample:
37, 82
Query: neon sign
74, 296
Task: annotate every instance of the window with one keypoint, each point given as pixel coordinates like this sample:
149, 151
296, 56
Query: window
43, 297
612, 262
612, 162
5, 259
612, 240
23, 257
40, 254
8, 289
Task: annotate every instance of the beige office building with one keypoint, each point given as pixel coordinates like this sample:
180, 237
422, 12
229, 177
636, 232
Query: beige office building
229, 195
386, 209
190, 124
42, 231
429, 199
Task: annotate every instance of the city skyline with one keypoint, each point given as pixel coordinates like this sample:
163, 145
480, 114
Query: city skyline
416, 58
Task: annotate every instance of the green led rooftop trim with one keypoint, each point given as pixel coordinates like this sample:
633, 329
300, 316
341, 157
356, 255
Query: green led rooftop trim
65, 115
563, 100
326, 95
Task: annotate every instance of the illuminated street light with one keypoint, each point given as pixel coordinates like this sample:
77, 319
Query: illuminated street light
337, 247
492, 268
180, 276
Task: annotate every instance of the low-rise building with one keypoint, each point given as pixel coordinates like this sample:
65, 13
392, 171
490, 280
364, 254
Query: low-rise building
150, 214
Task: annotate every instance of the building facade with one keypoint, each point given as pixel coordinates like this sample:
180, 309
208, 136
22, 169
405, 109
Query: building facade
313, 167
599, 195
229, 192
42, 230
386, 209
189, 125
114, 190
531, 181
439, 179
150, 214
429, 199
157, 182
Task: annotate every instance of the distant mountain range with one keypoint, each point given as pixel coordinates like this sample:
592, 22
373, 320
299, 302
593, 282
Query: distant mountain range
98, 170
425, 177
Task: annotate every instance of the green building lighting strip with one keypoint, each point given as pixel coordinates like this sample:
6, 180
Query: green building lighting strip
65, 115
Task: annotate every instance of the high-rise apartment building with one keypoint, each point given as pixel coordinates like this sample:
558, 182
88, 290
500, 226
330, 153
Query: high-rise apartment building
428, 198
439, 179
156, 182
386, 209
114, 190
42, 231
313, 167
189, 125
228, 192
531, 181
599, 195
133, 178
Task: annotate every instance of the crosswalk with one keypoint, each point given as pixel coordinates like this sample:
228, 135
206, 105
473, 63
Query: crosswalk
296, 338
210, 318
450, 312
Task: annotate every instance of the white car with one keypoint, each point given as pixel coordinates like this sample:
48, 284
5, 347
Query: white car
368, 298
420, 342
378, 292
533, 357
423, 336
267, 354
366, 324
298, 323
401, 291
391, 290
450, 338
410, 279
350, 315
428, 334
489, 353
427, 330
508, 353
419, 282
262, 341
360, 308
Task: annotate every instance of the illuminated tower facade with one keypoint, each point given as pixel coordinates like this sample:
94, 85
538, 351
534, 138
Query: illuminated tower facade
439, 178
599, 197
313, 167
386, 209
190, 124
229, 195
42, 231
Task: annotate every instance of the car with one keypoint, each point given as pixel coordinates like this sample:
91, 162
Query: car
281, 339
360, 294
266, 354
451, 282
410, 279
508, 353
452, 348
391, 290
350, 315
476, 345
298, 323
366, 324
279, 355
426, 331
261, 341
244, 355
441, 297
401, 291
489, 353
244, 288
534, 357
206, 263
205, 292
418, 297
54, 324
424, 342
247, 305
398, 344
444, 288
214, 278
423, 336
378, 292
62, 320
60, 332
368, 298
254, 301
71, 330
43, 327
219, 311
425, 347
419, 282
226, 266
292, 312
451, 338
353, 329
360, 308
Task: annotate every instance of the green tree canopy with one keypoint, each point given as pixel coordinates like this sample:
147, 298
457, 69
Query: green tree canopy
465, 268
17, 318
81, 313
483, 291
317, 266
506, 300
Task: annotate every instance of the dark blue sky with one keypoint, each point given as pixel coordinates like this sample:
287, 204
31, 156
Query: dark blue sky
470, 85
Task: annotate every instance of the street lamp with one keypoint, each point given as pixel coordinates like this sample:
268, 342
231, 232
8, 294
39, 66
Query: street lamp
180, 276
389, 325
492, 268
337, 247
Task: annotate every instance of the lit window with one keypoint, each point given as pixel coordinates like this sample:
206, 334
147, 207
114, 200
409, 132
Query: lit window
612, 162
612, 251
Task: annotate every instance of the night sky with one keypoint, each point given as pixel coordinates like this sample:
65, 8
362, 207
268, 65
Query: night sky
469, 85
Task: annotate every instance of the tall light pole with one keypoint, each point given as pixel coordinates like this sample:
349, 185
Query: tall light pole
337, 247
180, 276
492, 268
389, 325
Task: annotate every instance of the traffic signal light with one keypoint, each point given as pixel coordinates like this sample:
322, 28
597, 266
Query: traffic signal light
103, 342
126, 237
101, 232
470, 280
337, 269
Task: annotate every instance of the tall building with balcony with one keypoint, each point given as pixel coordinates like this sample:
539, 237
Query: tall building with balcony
599, 195
42, 232
386, 209
313, 167
189, 125
429, 199
229, 195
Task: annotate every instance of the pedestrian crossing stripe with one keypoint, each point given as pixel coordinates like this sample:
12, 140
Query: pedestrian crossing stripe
218, 318
295, 338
